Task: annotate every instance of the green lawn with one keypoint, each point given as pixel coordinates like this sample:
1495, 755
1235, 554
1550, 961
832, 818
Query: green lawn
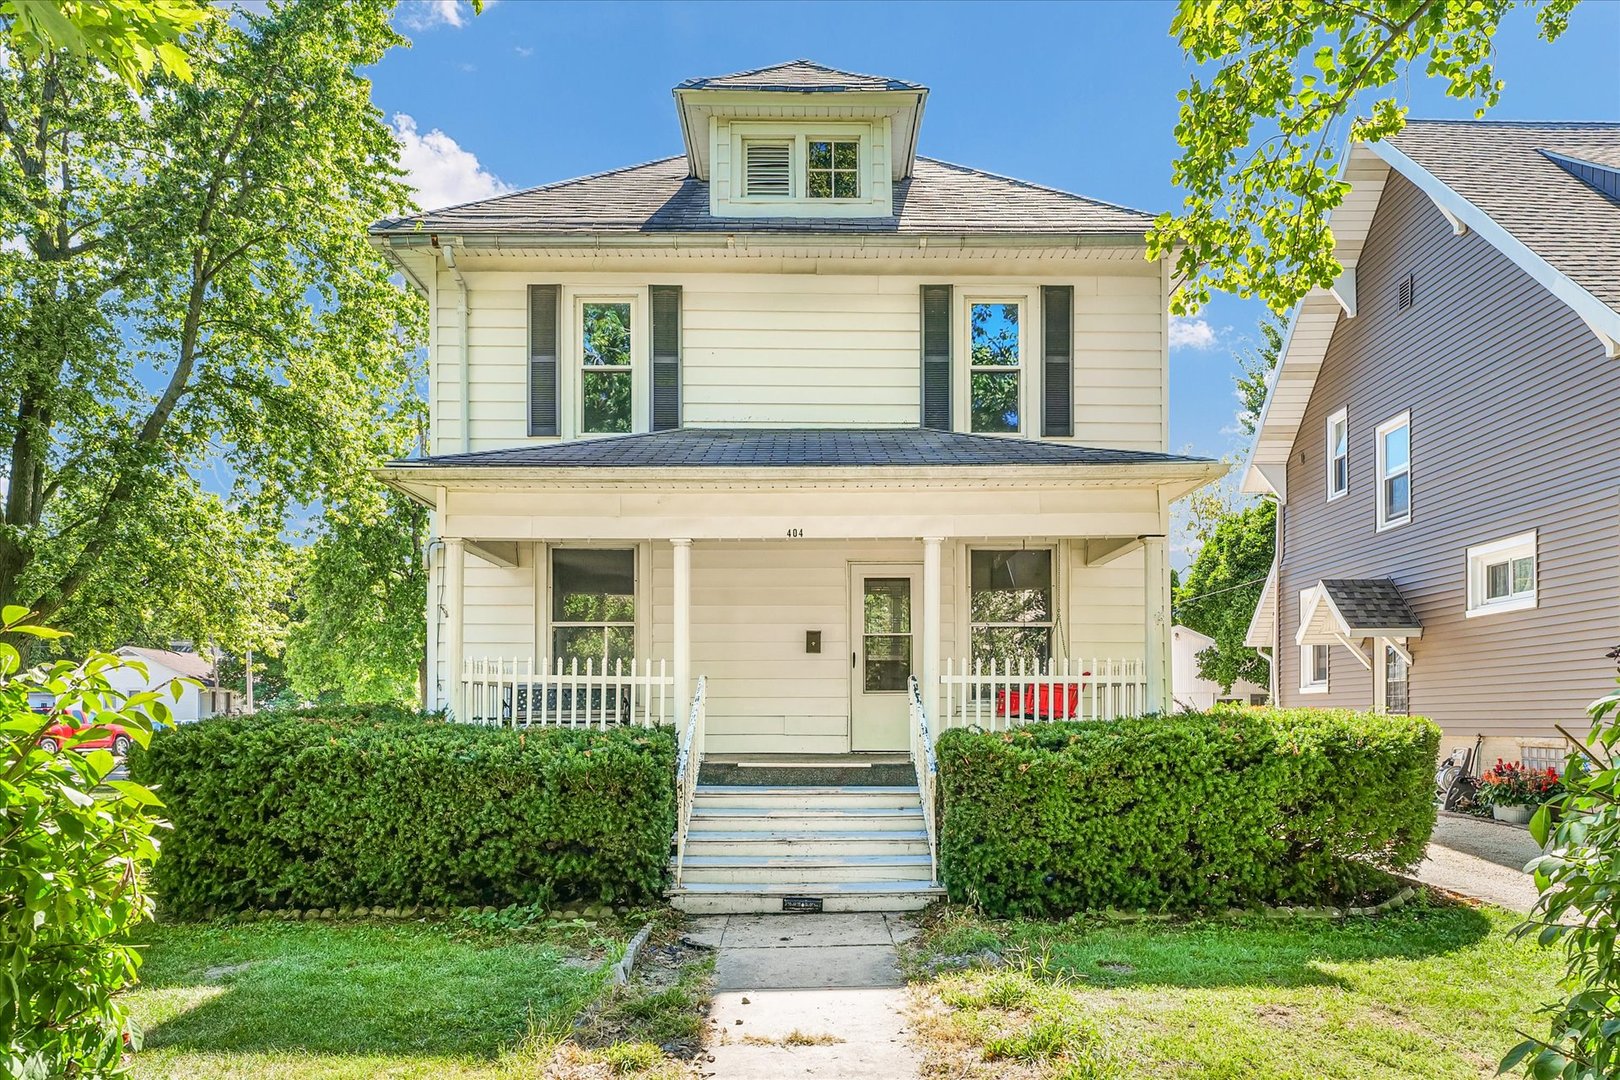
303, 1000
1429, 992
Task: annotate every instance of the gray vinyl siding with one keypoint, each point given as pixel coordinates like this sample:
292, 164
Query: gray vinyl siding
1515, 426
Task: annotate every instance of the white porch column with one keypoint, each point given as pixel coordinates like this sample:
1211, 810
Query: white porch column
455, 621
683, 628
1156, 619
930, 628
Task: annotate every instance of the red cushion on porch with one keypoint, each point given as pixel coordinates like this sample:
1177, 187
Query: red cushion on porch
1035, 700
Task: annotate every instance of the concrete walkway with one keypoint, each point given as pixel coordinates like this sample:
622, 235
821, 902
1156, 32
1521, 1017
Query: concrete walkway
817, 996
1481, 859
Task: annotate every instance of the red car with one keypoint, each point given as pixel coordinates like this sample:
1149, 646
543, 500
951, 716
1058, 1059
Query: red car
99, 737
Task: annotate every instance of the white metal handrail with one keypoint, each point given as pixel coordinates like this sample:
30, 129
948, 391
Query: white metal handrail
518, 692
999, 695
927, 767
687, 764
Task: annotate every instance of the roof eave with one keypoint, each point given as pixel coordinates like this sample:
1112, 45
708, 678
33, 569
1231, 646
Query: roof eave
416, 237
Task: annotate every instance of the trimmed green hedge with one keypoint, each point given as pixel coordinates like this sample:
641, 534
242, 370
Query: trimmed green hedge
1235, 807
380, 807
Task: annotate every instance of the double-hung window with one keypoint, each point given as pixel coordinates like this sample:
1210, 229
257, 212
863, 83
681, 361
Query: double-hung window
1011, 614
1314, 668
1397, 682
593, 606
1395, 471
1502, 575
606, 372
1338, 454
995, 372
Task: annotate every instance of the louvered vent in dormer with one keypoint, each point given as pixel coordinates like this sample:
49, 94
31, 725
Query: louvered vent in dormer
1407, 287
767, 168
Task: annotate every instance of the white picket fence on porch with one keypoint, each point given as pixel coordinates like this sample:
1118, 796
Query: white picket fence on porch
519, 692
996, 696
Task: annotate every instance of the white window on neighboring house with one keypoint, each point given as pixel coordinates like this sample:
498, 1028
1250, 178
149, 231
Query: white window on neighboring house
1395, 471
1502, 575
1397, 681
995, 371
606, 380
1338, 454
1313, 668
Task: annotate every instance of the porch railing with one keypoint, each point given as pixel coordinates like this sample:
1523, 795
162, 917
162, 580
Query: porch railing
927, 767
687, 764
999, 695
521, 692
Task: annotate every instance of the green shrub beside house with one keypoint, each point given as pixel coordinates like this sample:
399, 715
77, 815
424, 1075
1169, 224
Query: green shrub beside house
1235, 807
380, 808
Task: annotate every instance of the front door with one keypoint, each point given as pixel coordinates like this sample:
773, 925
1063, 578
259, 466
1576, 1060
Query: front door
883, 651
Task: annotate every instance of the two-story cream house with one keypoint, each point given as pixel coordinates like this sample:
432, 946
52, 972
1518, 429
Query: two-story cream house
794, 416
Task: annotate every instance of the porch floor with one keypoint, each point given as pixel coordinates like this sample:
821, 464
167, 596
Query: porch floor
807, 770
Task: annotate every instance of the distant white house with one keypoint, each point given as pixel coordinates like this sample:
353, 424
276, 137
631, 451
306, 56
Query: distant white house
163, 666
1192, 692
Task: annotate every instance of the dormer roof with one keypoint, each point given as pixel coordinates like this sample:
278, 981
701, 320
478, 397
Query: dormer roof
799, 77
798, 89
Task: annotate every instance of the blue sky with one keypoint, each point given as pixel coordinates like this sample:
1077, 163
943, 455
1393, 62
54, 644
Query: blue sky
1080, 97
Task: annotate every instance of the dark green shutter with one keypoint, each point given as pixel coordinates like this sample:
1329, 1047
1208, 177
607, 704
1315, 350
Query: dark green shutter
1057, 361
666, 356
936, 357
543, 303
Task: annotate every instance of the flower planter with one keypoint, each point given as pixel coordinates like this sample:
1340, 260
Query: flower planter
1513, 815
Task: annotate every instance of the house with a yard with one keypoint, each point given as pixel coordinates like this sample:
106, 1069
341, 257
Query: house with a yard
1441, 440
1188, 687
200, 694
807, 443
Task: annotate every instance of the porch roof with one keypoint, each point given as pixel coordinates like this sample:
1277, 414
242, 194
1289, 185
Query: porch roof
753, 448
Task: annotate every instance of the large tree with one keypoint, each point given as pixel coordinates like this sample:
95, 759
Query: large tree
1218, 593
197, 336
1278, 84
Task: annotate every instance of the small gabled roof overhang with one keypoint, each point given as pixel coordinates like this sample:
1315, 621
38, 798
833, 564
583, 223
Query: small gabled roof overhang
1347, 610
1501, 181
1258, 636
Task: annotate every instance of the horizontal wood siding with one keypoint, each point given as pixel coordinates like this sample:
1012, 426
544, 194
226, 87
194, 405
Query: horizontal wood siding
793, 349
1513, 428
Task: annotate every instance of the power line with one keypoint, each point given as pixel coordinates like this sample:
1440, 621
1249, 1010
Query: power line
1218, 592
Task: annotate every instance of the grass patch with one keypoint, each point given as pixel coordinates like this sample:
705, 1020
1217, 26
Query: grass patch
342, 1000
1430, 992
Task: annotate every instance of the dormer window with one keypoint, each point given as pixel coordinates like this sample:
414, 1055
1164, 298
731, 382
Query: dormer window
768, 169
833, 169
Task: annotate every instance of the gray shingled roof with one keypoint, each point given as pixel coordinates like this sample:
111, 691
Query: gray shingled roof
826, 447
1499, 168
802, 76
1371, 604
659, 197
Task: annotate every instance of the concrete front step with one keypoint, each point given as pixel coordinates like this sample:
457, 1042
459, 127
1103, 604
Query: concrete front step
807, 869
807, 797
800, 819
821, 842
714, 898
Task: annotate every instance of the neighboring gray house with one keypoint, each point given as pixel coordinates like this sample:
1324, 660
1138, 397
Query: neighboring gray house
1443, 436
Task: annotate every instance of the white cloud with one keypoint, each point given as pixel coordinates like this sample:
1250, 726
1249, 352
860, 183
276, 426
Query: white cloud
1190, 333
440, 170
524, 51
426, 14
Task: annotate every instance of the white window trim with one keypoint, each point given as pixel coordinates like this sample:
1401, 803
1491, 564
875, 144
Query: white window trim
1482, 555
1402, 420
963, 389
1338, 419
963, 600
1307, 661
875, 195
571, 399
863, 167
645, 569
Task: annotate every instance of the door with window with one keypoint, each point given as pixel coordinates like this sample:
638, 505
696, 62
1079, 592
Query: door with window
884, 605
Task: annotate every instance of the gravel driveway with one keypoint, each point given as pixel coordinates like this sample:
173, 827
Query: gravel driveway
1482, 859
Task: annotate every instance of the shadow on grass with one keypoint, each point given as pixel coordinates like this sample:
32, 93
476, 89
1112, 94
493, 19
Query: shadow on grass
1253, 951
352, 990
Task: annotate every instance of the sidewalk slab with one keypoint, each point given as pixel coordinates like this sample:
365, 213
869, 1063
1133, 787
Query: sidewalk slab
799, 968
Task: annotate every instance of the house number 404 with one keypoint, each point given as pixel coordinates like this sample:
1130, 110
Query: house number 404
795, 533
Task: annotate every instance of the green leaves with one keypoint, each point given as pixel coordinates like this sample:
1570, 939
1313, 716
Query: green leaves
73, 860
1218, 594
127, 37
1278, 85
